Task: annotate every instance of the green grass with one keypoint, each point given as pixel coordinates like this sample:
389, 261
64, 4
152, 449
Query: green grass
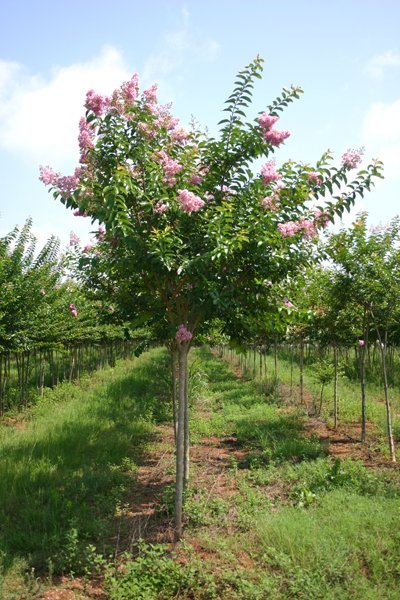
65, 471
348, 392
312, 527
309, 528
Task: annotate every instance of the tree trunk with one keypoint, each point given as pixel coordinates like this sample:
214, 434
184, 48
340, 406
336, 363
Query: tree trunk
386, 387
179, 481
291, 370
362, 382
174, 365
301, 371
186, 441
335, 378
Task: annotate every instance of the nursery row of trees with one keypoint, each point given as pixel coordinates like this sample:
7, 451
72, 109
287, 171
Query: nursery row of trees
193, 230
51, 330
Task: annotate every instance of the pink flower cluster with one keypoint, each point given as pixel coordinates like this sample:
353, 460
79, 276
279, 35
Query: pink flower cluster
361, 343
270, 202
64, 185
73, 310
269, 173
290, 228
274, 136
110, 308
86, 136
77, 213
321, 218
267, 121
287, 303
87, 248
96, 103
73, 239
170, 166
101, 233
183, 334
124, 98
314, 178
195, 179
160, 207
352, 158
150, 95
189, 202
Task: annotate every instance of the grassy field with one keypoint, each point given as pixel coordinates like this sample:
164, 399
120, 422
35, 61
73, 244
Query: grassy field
269, 513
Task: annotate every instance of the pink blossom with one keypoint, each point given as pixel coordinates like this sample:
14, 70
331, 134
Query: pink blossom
314, 178
86, 135
67, 185
228, 191
267, 282
146, 130
179, 135
275, 137
150, 94
73, 310
308, 227
77, 213
208, 196
48, 176
160, 207
189, 202
352, 158
110, 308
131, 89
287, 303
73, 239
289, 229
321, 218
269, 173
96, 103
195, 179
267, 121
183, 334
101, 233
361, 343
270, 202
170, 166
87, 248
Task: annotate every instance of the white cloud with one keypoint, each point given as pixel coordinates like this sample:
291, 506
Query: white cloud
39, 116
377, 64
177, 48
381, 135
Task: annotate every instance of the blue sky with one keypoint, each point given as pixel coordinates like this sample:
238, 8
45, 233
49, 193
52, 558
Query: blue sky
344, 54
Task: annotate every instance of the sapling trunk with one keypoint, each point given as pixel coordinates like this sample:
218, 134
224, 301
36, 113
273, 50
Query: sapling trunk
186, 442
386, 388
174, 365
301, 371
335, 378
362, 382
291, 370
179, 482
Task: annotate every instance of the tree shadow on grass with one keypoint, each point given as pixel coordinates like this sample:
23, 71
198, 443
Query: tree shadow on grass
62, 482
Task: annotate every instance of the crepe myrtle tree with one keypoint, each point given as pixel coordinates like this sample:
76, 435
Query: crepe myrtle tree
202, 230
